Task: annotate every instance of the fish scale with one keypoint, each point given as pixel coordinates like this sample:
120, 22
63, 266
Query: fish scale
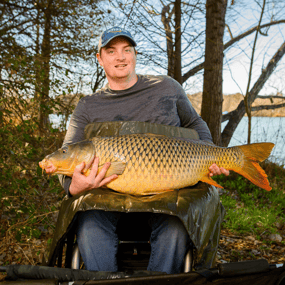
149, 164
153, 163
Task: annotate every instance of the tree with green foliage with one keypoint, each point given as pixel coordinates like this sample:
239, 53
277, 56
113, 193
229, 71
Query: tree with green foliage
51, 42
45, 48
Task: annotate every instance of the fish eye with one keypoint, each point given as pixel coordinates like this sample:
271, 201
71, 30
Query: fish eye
64, 150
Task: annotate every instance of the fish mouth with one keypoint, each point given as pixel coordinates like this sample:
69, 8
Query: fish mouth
43, 164
46, 164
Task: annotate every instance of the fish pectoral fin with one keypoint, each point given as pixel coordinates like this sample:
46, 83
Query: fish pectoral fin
209, 180
116, 167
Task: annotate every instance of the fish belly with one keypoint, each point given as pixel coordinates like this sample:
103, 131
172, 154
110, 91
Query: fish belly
156, 164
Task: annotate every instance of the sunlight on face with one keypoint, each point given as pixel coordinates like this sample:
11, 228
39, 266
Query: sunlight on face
118, 59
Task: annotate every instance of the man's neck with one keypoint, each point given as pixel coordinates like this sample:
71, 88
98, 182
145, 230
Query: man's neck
122, 83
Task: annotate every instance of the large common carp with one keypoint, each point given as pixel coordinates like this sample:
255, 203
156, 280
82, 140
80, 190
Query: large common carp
150, 164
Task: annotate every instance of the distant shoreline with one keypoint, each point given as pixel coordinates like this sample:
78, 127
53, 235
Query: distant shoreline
231, 102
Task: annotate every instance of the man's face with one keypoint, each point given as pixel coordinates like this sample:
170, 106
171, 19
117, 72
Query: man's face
118, 59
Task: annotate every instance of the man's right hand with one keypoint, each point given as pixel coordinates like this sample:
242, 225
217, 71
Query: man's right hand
81, 183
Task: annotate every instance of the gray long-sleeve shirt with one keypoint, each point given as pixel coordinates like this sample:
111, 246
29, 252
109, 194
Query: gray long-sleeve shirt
153, 99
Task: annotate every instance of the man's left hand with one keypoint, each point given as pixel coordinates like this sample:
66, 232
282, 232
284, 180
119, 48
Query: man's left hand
216, 170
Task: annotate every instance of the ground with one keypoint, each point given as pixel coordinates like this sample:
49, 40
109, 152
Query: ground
232, 248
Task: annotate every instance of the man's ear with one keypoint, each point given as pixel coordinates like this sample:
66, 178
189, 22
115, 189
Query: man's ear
99, 58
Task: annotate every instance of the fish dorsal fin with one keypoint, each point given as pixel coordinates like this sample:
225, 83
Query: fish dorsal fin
209, 180
153, 135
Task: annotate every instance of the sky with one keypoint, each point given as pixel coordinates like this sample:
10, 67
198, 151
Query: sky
236, 74
240, 17
237, 59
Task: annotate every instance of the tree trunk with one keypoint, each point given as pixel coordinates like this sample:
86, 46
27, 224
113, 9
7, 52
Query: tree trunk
212, 101
177, 55
166, 19
235, 116
45, 78
37, 63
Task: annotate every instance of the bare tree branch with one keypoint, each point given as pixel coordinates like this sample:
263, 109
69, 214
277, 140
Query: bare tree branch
235, 116
267, 107
199, 67
229, 30
250, 31
270, 97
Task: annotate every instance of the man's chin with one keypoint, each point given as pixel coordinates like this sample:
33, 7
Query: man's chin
121, 76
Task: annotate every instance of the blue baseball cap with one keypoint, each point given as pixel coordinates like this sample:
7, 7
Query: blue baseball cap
112, 33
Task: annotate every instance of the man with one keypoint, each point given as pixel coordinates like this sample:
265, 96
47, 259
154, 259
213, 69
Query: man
129, 97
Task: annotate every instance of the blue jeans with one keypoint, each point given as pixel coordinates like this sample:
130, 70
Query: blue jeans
98, 241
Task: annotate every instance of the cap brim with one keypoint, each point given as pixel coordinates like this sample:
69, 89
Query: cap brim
115, 36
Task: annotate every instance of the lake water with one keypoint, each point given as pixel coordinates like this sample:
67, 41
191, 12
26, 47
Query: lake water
264, 129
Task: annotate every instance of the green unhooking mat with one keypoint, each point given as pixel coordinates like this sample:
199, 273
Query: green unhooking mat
198, 207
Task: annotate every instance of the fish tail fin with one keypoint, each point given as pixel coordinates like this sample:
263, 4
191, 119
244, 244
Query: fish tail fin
253, 154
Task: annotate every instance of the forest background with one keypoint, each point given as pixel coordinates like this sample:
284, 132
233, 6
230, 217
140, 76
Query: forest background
48, 62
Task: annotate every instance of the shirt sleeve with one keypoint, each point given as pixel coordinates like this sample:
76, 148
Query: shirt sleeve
190, 118
75, 133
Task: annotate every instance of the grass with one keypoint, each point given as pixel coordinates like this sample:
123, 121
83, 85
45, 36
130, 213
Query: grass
250, 209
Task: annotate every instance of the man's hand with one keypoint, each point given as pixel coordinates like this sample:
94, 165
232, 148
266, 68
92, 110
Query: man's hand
215, 170
81, 183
